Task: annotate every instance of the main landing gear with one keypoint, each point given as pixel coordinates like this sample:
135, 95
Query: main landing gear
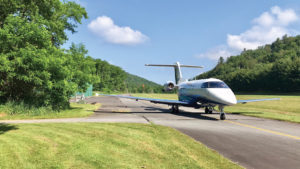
175, 108
208, 110
222, 114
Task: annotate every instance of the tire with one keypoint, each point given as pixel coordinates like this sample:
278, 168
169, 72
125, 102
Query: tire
206, 110
222, 116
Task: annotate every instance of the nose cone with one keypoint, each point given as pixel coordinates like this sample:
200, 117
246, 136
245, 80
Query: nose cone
222, 96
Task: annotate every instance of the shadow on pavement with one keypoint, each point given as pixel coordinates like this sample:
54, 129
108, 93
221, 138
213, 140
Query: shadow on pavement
195, 115
6, 127
109, 105
181, 113
243, 113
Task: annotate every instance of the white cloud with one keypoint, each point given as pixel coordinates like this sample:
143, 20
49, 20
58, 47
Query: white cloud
266, 29
265, 19
104, 27
215, 53
254, 37
284, 17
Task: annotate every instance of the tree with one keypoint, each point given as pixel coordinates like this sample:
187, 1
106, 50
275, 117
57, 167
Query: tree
111, 77
221, 60
54, 15
33, 69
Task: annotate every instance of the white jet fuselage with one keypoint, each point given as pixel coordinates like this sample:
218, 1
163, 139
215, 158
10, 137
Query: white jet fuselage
207, 92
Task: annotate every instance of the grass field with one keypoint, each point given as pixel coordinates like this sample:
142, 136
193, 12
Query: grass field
102, 145
76, 110
286, 109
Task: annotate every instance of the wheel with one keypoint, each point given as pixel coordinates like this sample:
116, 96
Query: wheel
175, 109
206, 110
222, 116
210, 110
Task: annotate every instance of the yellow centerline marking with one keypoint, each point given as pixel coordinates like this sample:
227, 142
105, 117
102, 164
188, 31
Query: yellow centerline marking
265, 130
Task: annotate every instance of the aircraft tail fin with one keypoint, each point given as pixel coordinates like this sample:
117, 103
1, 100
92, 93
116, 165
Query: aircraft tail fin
177, 68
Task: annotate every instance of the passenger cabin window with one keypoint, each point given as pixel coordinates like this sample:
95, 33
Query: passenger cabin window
214, 85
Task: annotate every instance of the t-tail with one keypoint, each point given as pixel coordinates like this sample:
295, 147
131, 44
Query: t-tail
177, 70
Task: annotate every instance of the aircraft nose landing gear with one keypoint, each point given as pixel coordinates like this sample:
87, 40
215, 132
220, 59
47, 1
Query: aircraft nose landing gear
222, 113
208, 110
222, 116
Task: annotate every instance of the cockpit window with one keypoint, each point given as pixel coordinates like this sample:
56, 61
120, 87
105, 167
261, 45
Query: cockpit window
214, 85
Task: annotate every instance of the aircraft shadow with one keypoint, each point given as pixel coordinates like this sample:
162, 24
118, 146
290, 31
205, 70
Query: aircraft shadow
6, 127
148, 109
243, 113
181, 113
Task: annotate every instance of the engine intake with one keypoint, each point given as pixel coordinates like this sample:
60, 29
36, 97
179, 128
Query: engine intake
169, 86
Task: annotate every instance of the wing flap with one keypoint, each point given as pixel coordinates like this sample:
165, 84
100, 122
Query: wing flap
255, 100
161, 101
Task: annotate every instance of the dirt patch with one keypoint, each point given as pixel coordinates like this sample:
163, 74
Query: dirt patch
2, 114
122, 111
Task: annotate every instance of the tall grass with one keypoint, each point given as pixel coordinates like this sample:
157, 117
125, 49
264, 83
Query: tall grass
15, 108
14, 111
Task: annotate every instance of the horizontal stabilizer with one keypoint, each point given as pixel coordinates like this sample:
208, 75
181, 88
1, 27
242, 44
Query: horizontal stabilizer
190, 66
177, 66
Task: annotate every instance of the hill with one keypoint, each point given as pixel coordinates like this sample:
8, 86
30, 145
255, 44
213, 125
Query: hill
115, 79
273, 67
136, 84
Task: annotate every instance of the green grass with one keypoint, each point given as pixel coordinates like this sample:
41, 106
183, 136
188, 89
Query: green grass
11, 112
286, 109
102, 145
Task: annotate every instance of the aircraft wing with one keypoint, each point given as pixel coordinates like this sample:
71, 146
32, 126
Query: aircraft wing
161, 101
255, 100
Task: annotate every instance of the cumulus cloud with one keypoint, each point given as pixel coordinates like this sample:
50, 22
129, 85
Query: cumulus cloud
105, 28
266, 28
216, 52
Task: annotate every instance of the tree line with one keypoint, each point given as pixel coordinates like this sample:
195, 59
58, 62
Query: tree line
274, 67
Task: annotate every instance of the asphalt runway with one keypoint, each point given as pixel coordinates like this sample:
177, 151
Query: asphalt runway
251, 142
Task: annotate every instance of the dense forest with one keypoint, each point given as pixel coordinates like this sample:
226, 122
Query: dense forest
115, 79
273, 67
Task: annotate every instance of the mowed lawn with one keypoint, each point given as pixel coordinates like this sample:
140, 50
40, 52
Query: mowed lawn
286, 109
102, 145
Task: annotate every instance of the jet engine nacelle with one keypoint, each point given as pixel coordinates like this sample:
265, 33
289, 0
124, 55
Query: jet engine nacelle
169, 86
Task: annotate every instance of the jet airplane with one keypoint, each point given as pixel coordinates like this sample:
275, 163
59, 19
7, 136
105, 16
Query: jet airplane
204, 93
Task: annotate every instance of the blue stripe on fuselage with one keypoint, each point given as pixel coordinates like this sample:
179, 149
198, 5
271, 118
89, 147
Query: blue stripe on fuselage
193, 99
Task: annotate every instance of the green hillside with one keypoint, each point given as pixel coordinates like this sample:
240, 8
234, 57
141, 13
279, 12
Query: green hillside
115, 79
136, 84
273, 67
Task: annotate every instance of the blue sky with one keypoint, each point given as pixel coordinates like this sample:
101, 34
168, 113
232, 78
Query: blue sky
132, 33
